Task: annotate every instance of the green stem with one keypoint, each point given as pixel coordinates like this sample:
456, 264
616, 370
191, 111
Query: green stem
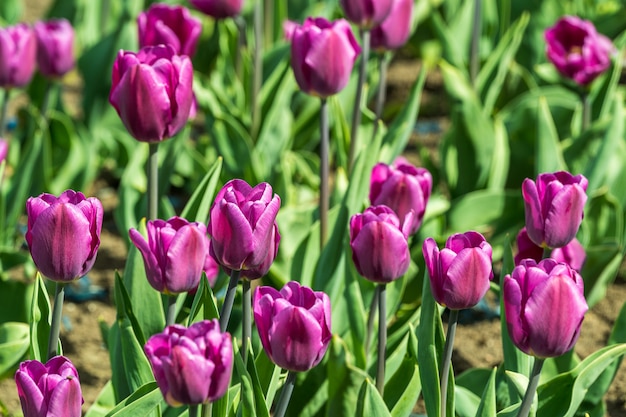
171, 310
370, 323
531, 389
586, 122
356, 113
383, 64
207, 409
475, 45
285, 395
381, 291
246, 322
546, 253
57, 315
447, 359
324, 173
3, 111
153, 180
229, 299
46, 150
193, 410
257, 76
241, 42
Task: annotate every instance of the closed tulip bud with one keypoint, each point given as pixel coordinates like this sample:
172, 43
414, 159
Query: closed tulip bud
243, 229
152, 92
528, 291
366, 13
323, 55
577, 50
169, 25
191, 365
218, 9
174, 253
403, 188
50, 389
460, 273
394, 31
554, 207
63, 234
293, 324
55, 47
572, 254
18, 52
380, 250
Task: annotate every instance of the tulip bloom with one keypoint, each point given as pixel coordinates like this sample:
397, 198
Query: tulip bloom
293, 324
50, 389
243, 229
403, 188
152, 92
218, 9
460, 272
554, 207
63, 234
366, 13
18, 51
4, 149
323, 55
191, 365
169, 25
394, 31
577, 50
380, 250
55, 47
572, 254
530, 290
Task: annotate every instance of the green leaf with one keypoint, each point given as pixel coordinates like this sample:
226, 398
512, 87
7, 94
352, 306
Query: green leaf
41, 316
370, 402
253, 400
199, 204
203, 306
404, 387
466, 402
487, 407
14, 344
549, 153
140, 403
104, 403
344, 380
136, 369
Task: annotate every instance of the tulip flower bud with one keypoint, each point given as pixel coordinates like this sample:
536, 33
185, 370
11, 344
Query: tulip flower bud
460, 272
394, 31
63, 234
380, 250
323, 55
528, 291
55, 47
18, 51
174, 253
169, 25
403, 188
366, 13
50, 389
191, 365
218, 9
293, 324
572, 254
577, 50
554, 207
243, 229
152, 92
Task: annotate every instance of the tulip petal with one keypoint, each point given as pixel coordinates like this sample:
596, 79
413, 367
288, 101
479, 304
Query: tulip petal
153, 269
513, 307
560, 224
31, 397
466, 282
380, 252
228, 222
66, 399
533, 212
188, 244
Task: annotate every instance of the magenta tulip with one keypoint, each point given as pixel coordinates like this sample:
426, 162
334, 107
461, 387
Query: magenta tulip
4, 149
169, 25
18, 52
55, 47
572, 254
366, 13
218, 9
394, 31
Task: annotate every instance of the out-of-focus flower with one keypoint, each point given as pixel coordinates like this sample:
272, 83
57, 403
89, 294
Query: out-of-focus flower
572, 254
289, 26
323, 55
218, 9
18, 52
152, 92
366, 13
50, 389
169, 25
554, 207
4, 149
530, 290
55, 47
191, 365
293, 324
577, 50
394, 31
460, 272
63, 234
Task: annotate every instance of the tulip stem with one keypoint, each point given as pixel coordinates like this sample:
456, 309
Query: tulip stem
207, 409
447, 359
383, 64
171, 310
246, 321
55, 325
524, 409
324, 173
381, 292
285, 395
475, 45
586, 122
356, 114
241, 42
229, 299
193, 410
3, 112
370, 323
546, 253
153, 180
257, 76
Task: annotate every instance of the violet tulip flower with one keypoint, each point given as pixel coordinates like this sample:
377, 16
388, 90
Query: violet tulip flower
152, 92
169, 25
218, 9
50, 389
174, 253
460, 273
366, 13
63, 234
572, 254
55, 47
554, 207
394, 31
577, 50
531, 289
191, 365
243, 229
293, 324
403, 188
323, 55
380, 250
18, 52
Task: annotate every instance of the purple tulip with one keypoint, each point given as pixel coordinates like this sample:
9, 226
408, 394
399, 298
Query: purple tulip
323, 55
403, 188
191, 365
18, 52
293, 324
4, 149
460, 272
174, 254
366, 13
545, 305
50, 389
380, 250
577, 50
169, 25
218, 9
243, 229
554, 207
63, 234
152, 92
394, 31
572, 254
55, 47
